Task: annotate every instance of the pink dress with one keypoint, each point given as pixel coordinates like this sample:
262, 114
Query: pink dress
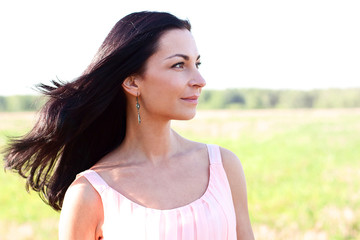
211, 217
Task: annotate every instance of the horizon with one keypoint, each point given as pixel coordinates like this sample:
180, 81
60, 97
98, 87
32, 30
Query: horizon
224, 89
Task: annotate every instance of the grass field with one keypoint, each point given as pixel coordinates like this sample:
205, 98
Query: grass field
302, 169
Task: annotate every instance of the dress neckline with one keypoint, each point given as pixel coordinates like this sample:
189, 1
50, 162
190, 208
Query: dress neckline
192, 203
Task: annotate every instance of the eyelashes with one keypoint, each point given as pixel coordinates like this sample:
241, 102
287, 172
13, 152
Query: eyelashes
178, 65
182, 64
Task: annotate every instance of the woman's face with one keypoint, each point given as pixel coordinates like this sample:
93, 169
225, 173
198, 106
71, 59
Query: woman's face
171, 84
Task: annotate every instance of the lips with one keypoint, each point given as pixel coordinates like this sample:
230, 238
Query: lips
191, 99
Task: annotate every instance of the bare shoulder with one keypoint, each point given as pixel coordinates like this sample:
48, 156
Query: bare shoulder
236, 177
234, 172
76, 221
231, 163
82, 190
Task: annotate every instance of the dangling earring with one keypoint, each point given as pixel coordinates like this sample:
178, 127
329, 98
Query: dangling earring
138, 107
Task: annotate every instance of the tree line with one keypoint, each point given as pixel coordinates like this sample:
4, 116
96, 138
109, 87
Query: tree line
267, 98
21, 103
233, 99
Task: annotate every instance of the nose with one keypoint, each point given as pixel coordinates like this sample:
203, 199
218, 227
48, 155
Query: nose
197, 80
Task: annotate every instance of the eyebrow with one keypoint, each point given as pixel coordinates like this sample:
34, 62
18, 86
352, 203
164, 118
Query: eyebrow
182, 56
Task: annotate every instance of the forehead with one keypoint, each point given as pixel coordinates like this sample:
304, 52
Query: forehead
176, 41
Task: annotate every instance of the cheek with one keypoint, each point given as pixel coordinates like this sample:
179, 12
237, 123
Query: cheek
163, 94
162, 88
157, 94
166, 85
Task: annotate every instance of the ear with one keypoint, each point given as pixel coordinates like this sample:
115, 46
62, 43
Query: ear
131, 85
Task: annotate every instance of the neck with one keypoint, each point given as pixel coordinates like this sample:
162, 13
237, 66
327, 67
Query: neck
152, 140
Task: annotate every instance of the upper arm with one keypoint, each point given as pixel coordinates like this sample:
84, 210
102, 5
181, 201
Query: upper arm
236, 177
82, 211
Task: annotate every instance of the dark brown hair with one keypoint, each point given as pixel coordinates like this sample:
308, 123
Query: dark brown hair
85, 119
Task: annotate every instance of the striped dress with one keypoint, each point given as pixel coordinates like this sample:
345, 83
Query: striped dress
211, 217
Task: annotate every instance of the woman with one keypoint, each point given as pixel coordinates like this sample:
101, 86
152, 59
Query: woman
105, 140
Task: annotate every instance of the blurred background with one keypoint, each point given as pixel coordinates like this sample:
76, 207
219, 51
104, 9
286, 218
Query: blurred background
283, 93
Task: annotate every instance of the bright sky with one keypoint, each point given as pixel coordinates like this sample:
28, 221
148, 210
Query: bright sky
277, 44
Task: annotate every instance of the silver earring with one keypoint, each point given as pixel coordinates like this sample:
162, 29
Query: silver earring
138, 108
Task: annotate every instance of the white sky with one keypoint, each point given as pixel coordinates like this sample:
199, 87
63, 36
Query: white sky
277, 44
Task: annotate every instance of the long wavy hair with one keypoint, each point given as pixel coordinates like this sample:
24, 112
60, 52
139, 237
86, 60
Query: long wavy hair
85, 119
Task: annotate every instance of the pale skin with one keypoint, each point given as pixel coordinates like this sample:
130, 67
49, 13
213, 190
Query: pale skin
154, 166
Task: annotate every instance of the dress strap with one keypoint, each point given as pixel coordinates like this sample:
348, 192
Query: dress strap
214, 153
95, 180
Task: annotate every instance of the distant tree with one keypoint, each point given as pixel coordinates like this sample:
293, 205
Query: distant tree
2, 103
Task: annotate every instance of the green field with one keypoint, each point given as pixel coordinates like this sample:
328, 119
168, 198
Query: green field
302, 169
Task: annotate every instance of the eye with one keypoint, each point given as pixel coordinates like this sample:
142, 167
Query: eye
178, 65
198, 64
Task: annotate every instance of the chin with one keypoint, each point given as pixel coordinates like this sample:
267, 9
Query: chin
185, 115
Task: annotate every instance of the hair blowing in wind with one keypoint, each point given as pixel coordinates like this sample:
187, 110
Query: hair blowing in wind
85, 119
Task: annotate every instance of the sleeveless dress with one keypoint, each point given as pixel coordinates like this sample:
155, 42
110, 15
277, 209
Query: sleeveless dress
211, 217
